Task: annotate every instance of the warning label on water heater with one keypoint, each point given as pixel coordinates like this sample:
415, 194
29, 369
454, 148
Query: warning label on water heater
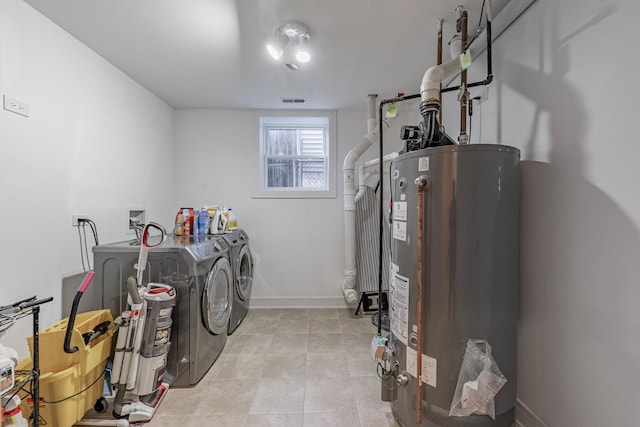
429, 370
423, 164
429, 367
400, 230
400, 211
399, 296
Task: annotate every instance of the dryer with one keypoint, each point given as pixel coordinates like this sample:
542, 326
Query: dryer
242, 265
199, 268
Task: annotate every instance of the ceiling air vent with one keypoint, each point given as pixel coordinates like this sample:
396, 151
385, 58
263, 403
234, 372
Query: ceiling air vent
293, 100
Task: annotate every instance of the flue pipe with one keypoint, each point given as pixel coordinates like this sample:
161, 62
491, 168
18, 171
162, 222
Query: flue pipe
348, 288
430, 86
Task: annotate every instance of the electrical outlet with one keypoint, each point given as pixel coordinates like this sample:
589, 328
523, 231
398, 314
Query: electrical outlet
15, 106
77, 217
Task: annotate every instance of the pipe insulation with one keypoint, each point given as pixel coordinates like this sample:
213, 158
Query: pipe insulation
348, 288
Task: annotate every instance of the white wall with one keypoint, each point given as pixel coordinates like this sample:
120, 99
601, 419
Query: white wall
565, 94
95, 143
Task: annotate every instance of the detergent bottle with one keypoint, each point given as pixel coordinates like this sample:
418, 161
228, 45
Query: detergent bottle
177, 230
196, 222
233, 220
203, 221
186, 222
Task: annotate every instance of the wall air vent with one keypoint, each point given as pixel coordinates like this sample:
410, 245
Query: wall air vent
293, 100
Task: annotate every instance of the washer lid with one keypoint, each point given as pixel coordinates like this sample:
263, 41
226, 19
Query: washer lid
215, 297
244, 273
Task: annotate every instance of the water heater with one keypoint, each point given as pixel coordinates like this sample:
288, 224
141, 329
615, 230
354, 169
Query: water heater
454, 276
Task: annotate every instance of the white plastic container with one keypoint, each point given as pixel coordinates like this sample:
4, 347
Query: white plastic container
233, 220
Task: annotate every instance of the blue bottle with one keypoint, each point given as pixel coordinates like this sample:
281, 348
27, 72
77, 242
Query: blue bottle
202, 222
196, 219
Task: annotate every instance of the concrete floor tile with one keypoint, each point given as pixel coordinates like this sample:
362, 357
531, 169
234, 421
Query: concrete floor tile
284, 365
332, 419
292, 326
357, 342
324, 326
374, 418
328, 395
325, 343
361, 365
274, 420
279, 396
323, 313
327, 365
242, 366
290, 343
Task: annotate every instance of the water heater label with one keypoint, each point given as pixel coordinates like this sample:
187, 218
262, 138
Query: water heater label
399, 296
400, 230
412, 362
423, 164
429, 370
429, 367
400, 211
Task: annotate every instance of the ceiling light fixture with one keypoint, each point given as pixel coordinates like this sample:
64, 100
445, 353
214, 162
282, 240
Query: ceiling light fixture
291, 36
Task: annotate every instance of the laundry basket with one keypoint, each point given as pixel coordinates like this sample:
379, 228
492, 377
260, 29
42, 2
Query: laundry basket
70, 383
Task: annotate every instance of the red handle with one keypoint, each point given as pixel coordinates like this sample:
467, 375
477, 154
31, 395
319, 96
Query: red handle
86, 281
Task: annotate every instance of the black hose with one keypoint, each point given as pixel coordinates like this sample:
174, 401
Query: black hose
72, 320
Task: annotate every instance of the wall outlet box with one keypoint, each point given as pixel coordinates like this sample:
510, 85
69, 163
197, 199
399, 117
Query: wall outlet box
136, 218
77, 217
15, 106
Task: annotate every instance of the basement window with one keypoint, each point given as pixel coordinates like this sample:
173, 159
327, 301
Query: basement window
296, 154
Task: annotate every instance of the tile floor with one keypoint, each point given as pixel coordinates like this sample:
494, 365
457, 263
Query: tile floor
287, 368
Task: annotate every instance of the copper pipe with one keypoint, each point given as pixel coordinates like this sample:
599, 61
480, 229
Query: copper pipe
463, 78
439, 60
421, 183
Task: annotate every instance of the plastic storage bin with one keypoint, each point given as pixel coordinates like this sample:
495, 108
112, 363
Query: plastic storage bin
70, 383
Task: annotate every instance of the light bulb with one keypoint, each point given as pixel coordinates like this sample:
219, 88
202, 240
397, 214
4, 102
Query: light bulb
303, 56
301, 48
274, 51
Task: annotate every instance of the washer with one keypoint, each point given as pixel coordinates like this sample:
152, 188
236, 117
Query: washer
198, 267
242, 265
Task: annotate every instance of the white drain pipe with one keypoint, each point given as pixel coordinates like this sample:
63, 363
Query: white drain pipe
366, 170
348, 288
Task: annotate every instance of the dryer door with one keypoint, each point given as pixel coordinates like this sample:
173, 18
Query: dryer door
215, 297
244, 273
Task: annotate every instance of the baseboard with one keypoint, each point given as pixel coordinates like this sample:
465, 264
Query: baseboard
525, 417
298, 302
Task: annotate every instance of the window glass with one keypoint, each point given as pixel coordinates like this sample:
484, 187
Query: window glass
295, 155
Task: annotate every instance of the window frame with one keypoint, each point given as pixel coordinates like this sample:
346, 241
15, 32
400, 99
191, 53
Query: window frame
294, 119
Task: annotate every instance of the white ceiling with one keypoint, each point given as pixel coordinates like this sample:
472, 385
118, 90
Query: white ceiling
211, 53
